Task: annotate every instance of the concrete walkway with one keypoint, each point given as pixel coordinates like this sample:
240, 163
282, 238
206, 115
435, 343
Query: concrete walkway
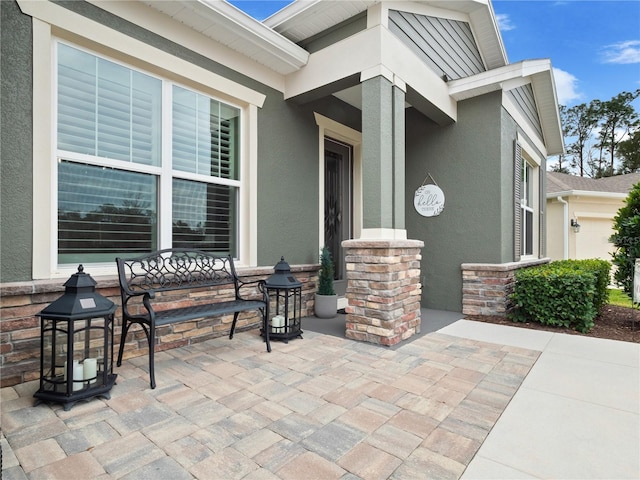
575, 416
472, 400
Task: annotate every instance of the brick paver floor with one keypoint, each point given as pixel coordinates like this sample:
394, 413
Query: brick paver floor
319, 407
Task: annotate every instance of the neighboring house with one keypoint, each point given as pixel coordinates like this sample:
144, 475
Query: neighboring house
592, 204
130, 126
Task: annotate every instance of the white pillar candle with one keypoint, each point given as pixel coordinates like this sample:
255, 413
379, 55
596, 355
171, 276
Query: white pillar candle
90, 369
78, 375
277, 322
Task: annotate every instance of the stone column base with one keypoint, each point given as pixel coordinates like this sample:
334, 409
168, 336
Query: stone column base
383, 290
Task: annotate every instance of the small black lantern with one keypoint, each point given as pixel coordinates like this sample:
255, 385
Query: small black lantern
76, 344
285, 311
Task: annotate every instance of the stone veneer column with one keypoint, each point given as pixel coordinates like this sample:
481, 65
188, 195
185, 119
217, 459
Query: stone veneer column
383, 290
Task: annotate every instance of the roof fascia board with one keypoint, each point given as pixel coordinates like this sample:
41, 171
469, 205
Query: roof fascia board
67, 21
291, 10
273, 43
587, 193
484, 82
544, 92
179, 33
252, 30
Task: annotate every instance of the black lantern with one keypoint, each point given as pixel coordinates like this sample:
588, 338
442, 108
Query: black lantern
285, 311
76, 344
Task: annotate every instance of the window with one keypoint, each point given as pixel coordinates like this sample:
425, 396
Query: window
143, 163
528, 192
527, 209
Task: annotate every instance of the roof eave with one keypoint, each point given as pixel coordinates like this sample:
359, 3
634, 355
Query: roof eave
587, 193
539, 74
256, 32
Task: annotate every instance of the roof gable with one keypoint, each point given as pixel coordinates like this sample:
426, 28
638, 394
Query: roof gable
447, 46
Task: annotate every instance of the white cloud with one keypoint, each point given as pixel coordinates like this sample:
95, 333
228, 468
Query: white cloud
504, 22
566, 86
623, 52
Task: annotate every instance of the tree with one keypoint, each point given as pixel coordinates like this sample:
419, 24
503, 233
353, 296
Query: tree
626, 239
561, 166
596, 136
579, 122
616, 119
629, 152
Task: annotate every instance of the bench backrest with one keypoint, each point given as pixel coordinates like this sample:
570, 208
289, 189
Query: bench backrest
174, 269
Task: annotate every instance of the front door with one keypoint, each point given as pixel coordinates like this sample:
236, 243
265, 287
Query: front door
338, 205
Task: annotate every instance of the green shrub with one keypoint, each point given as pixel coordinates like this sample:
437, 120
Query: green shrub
601, 269
566, 293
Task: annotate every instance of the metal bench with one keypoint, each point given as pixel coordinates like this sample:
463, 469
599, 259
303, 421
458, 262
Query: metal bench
141, 278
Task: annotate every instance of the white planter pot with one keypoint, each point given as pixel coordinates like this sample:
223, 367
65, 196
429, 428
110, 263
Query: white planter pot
326, 306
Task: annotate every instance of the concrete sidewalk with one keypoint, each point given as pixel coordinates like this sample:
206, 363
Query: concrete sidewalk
575, 416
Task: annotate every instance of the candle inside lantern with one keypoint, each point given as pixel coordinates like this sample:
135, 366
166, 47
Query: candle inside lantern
277, 322
78, 375
90, 369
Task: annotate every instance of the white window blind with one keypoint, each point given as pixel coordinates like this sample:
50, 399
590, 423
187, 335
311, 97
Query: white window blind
111, 162
107, 110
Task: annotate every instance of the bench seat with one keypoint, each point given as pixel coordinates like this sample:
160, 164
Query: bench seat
165, 317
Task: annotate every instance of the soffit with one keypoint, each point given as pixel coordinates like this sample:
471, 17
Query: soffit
229, 26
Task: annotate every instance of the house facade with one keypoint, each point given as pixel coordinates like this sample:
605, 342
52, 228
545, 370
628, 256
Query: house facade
132, 126
592, 204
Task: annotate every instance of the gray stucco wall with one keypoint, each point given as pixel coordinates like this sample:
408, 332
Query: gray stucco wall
287, 149
467, 162
288, 167
16, 169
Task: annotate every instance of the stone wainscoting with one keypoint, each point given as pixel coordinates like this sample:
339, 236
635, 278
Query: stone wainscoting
20, 303
383, 290
486, 287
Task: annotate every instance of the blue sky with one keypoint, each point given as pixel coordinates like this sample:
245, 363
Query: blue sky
594, 46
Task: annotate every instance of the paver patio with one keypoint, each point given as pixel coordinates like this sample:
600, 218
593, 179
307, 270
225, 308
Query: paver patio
319, 407
471, 401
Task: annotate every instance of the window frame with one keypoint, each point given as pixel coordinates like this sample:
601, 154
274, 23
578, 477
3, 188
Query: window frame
527, 158
165, 173
52, 23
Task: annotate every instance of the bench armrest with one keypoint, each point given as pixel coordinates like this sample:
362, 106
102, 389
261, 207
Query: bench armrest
259, 284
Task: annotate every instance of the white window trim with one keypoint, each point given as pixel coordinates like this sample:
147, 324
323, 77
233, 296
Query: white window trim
330, 128
535, 162
52, 20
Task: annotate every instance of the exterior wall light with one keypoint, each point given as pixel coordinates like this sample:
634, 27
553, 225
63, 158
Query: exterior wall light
575, 225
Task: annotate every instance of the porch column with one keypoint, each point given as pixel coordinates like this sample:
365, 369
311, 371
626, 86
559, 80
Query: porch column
383, 158
383, 267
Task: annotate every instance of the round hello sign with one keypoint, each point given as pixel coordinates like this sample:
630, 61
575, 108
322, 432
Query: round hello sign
429, 200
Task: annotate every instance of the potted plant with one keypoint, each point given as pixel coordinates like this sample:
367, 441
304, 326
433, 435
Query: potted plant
326, 300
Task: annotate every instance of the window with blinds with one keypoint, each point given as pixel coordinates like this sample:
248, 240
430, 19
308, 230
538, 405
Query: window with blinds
114, 151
